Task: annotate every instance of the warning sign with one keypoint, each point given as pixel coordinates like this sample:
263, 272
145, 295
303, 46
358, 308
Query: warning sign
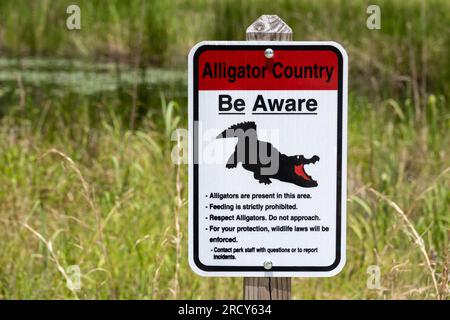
267, 158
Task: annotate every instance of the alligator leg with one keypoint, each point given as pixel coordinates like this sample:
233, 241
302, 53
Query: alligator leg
262, 179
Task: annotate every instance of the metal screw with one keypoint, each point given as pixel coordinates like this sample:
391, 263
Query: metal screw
268, 53
268, 264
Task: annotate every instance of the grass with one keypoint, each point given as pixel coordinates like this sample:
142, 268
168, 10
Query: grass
79, 187
414, 34
110, 201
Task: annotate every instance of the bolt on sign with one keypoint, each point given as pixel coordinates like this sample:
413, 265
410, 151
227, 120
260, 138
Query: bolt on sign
267, 154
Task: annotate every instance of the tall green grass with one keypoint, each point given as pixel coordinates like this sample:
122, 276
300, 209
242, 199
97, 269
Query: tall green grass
106, 199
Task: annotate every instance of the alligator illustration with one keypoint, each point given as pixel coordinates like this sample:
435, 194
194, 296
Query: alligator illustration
261, 157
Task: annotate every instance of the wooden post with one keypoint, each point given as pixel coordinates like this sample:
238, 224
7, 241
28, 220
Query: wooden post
268, 28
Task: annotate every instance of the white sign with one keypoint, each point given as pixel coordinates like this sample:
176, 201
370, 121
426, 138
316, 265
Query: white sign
267, 158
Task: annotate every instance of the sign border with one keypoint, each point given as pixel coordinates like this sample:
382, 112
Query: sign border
194, 259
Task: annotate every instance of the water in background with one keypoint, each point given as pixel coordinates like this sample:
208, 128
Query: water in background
51, 79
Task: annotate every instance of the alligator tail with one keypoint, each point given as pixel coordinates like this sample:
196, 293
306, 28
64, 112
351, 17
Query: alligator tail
248, 127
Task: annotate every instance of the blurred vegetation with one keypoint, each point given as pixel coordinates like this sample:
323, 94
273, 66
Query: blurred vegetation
414, 34
86, 117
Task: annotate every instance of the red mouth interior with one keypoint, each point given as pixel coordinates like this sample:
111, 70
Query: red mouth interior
300, 171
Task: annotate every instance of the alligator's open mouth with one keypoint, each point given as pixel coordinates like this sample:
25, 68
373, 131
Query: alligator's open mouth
300, 171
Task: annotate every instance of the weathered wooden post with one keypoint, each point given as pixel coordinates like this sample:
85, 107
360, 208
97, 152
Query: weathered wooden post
268, 28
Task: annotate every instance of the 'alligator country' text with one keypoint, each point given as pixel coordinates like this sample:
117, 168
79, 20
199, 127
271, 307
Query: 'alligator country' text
220, 70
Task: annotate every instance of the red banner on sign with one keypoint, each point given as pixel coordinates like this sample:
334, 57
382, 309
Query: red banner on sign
251, 70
